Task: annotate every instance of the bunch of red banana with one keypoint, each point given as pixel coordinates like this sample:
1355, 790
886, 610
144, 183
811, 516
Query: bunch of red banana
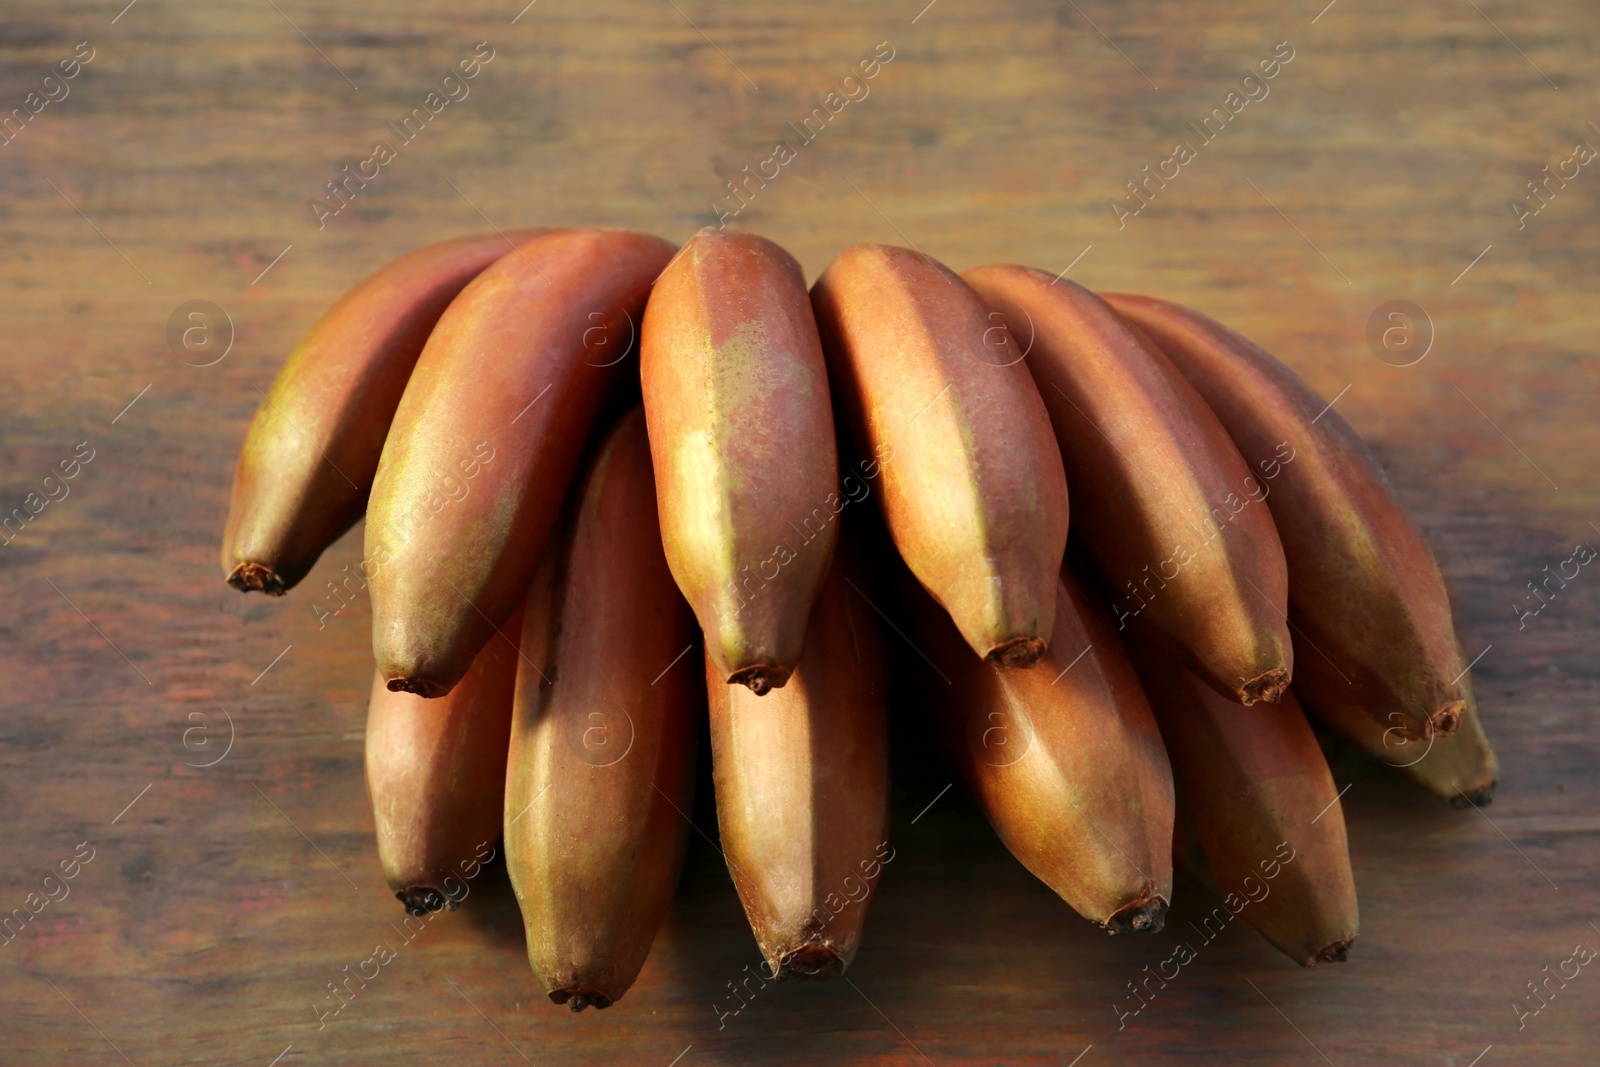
556, 570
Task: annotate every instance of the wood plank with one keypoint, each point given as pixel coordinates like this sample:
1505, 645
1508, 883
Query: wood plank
179, 166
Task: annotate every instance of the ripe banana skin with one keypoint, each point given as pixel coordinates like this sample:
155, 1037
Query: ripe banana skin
1257, 794
1365, 592
1461, 768
602, 738
973, 490
485, 441
741, 429
1166, 506
312, 449
1065, 759
436, 773
802, 782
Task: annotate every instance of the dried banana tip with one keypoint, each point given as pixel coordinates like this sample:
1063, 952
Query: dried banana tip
580, 998
254, 577
1268, 687
814, 959
1146, 915
419, 686
760, 679
421, 899
1018, 652
1481, 797
1334, 953
1444, 721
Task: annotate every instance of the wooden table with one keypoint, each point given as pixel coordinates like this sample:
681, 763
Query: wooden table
220, 900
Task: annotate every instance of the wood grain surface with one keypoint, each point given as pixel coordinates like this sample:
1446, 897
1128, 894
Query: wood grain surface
178, 164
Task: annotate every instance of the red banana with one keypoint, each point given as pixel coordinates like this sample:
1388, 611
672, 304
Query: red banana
436, 773
802, 781
973, 489
1165, 505
1258, 796
1365, 593
312, 449
1065, 759
741, 429
602, 739
479, 456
